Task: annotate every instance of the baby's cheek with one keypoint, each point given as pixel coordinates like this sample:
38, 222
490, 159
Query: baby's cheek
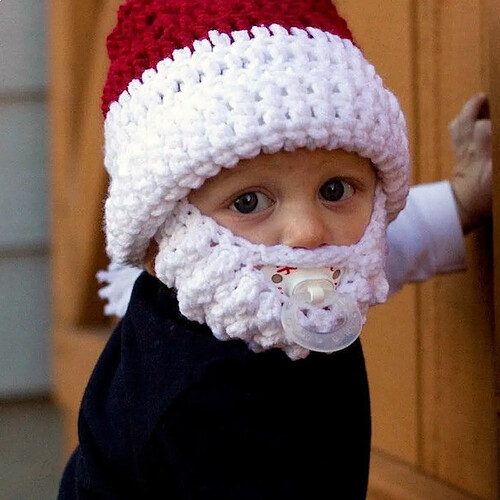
354, 226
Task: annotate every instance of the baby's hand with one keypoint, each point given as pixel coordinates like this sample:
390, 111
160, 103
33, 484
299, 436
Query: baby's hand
471, 178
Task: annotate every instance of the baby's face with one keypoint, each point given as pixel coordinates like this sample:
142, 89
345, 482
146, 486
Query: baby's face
303, 199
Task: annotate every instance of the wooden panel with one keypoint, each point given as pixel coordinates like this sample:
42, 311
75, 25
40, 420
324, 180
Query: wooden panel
432, 377
84, 18
78, 69
90, 178
391, 479
60, 103
456, 350
78, 65
384, 32
77, 352
492, 19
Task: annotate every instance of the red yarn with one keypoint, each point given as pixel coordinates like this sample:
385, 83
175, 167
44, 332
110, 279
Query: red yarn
148, 31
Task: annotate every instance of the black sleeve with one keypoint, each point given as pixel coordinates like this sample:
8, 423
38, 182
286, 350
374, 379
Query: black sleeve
133, 383
105, 464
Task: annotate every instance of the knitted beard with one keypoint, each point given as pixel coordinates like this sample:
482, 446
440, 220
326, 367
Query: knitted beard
218, 279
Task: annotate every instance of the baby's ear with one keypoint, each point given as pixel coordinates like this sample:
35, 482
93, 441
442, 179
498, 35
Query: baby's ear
150, 256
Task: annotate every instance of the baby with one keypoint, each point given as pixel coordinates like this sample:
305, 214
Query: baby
256, 159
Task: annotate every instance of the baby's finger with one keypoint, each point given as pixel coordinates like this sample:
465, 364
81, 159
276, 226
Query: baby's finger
482, 136
484, 111
462, 127
474, 107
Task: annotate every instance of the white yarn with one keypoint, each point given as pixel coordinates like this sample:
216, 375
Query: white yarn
320, 320
231, 99
218, 282
119, 281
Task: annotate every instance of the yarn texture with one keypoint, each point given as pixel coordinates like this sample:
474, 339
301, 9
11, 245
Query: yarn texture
149, 31
218, 281
246, 78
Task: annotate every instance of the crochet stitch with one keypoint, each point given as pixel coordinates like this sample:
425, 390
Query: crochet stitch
151, 30
196, 86
218, 281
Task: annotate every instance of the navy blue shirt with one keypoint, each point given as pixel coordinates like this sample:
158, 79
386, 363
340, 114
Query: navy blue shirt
171, 412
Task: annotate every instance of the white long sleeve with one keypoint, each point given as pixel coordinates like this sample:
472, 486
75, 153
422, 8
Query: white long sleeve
426, 238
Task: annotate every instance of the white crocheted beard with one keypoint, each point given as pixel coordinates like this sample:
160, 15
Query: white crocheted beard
218, 281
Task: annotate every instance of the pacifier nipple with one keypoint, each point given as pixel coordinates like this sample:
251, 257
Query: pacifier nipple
316, 289
316, 316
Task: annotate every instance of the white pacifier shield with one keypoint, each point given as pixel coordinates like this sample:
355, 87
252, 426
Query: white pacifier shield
312, 290
345, 328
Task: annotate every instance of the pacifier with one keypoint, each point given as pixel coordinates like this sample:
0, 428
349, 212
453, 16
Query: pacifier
316, 316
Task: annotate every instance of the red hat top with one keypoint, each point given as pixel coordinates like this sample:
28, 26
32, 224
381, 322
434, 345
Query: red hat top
148, 31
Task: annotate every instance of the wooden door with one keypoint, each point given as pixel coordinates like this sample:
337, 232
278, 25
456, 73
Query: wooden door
492, 14
78, 65
430, 350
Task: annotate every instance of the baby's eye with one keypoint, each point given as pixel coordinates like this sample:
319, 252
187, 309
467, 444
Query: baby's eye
250, 202
336, 190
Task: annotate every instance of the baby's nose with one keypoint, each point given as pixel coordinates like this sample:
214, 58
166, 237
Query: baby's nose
306, 230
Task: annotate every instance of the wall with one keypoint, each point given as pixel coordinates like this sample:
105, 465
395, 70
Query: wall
24, 261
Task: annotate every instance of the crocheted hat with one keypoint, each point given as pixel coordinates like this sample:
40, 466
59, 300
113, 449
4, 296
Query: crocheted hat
197, 85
